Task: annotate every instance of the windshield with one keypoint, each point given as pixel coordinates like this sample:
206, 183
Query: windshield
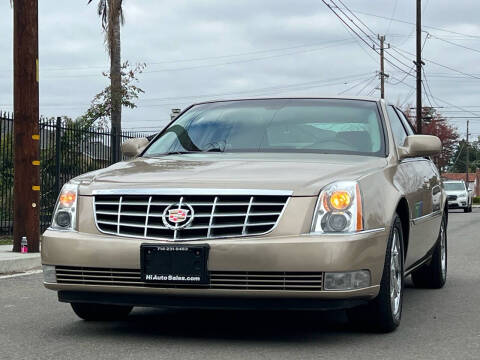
454, 186
276, 125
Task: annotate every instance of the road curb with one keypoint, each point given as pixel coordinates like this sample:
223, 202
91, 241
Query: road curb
11, 262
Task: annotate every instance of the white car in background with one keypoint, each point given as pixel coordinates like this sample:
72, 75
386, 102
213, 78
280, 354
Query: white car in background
458, 195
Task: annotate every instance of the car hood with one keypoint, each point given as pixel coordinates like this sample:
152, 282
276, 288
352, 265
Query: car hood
303, 174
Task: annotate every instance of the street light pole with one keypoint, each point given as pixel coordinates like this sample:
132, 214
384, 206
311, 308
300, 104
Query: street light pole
26, 190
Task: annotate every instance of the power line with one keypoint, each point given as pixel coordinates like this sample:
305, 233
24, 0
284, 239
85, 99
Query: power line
444, 66
357, 84
427, 85
333, 44
455, 44
446, 102
366, 85
361, 37
372, 39
270, 89
412, 23
174, 61
391, 17
370, 93
413, 66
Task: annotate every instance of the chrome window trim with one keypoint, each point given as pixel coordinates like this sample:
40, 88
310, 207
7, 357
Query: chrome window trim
192, 191
424, 218
252, 192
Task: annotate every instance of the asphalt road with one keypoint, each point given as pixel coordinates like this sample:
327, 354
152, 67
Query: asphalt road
436, 324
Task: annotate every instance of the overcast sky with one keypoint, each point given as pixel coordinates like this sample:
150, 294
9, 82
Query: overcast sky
208, 49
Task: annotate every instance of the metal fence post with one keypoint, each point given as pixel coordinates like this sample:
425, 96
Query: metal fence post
58, 145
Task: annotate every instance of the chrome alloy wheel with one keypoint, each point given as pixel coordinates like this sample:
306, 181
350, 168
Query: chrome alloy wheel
443, 251
396, 275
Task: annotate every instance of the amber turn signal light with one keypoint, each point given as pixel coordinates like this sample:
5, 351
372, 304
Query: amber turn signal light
340, 200
67, 199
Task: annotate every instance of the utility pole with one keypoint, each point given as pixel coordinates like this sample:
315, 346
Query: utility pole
26, 191
468, 159
419, 63
382, 66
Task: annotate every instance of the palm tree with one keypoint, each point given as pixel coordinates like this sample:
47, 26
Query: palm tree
111, 13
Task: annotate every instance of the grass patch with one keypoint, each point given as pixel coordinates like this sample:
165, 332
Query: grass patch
6, 241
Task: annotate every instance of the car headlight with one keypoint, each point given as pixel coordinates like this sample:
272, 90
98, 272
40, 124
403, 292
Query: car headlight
64, 216
339, 209
462, 196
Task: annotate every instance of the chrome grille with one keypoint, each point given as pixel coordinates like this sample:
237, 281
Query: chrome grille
451, 197
229, 280
214, 216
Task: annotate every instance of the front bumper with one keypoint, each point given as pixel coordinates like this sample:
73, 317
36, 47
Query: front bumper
282, 254
457, 204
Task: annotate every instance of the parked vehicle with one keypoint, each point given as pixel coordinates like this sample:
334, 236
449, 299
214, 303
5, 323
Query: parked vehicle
458, 195
311, 203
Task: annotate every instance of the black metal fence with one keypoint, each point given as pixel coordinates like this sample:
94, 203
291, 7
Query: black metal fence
66, 150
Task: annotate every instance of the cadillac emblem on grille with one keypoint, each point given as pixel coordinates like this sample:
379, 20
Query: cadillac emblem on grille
177, 216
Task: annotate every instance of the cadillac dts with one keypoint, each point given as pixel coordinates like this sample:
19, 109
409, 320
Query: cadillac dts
283, 203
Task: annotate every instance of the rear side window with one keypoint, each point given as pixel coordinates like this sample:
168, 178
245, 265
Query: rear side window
398, 130
406, 123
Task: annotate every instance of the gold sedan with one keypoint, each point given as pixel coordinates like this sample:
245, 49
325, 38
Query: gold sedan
297, 203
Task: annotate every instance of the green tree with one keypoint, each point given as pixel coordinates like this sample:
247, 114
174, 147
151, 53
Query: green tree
458, 162
111, 15
101, 106
434, 123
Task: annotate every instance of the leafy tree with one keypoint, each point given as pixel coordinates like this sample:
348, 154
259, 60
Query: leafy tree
458, 162
111, 15
434, 123
101, 106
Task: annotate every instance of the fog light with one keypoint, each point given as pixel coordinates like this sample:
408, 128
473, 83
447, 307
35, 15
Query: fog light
347, 280
49, 274
63, 219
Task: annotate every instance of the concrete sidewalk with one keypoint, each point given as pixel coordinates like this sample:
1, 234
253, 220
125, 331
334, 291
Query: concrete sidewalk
11, 262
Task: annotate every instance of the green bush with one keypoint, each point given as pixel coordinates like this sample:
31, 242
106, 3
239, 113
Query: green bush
476, 200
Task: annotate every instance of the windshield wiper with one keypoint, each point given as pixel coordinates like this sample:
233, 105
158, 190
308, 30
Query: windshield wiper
181, 152
192, 151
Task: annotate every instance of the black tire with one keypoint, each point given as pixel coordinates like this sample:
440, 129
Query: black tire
378, 315
465, 210
101, 312
433, 275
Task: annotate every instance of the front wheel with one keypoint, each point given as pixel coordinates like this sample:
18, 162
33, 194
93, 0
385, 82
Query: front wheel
434, 274
383, 314
100, 312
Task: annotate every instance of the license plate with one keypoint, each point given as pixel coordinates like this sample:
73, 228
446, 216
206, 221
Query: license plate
174, 264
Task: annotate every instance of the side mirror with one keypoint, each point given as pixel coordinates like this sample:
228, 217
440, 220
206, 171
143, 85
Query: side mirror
133, 147
420, 145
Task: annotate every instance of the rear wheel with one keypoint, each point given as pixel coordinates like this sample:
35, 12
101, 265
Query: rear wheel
383, 314
100, 312
434, 274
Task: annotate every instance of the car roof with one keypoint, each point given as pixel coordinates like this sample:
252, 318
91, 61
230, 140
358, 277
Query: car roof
330, 97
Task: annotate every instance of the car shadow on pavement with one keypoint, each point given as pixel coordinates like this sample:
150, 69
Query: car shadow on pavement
215, 325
